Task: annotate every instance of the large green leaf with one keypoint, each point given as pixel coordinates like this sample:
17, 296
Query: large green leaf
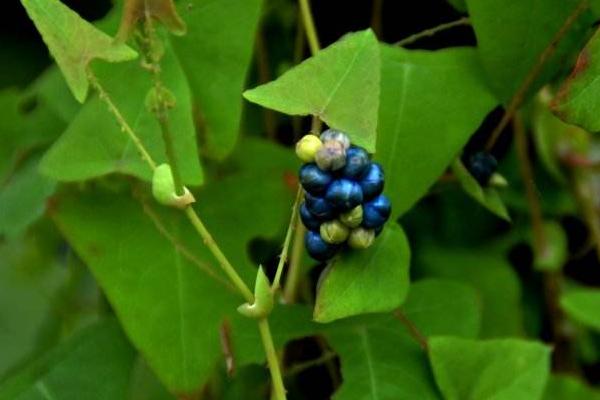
367, 281
431, 103
494, 279
512, 34
94, 145
379, 358
215, 55
578, 101
565, 387
507, 369
73, 42
582, 305
340, 85
95, 365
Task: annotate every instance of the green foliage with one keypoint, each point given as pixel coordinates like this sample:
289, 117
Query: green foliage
564, 387
340, 85
73, 42
352, 284
427, 98
493, 369
582, 305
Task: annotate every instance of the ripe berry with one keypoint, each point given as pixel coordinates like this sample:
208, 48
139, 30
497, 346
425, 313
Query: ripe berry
313, 179
319, 207
331, 157
376, 212
344, 194
318, 248
311, 222
482, 166
336, 136
357, 161
371, 181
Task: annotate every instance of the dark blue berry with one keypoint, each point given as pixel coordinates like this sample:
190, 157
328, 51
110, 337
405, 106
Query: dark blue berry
344, 194
318, 248
313, 179
319, 207
482, 166
371, 182
311, 222
357, 161
376, 212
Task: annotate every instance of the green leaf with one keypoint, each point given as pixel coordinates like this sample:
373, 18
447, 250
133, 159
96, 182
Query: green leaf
94, 145
95, 365
215, 55
459, 5
582, 305
512, 34
73, 42
565, 387
487, 197
431, 103
379, 358
510, 369
492, 276
51, 89
340, 85
367, 281
577, 101
23, 198
556, 250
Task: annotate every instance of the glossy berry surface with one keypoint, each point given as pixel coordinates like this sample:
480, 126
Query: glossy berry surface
331, 135
371, 182
344, 194
319, 207
314, 180
357, 161
482, 166
318, 248
331, 156
376, 212
310, 221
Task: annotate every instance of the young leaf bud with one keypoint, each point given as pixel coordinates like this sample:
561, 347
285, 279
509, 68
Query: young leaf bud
163, 189
263, 298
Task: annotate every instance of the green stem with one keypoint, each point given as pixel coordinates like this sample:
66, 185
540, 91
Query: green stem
112, 108
272, 360
286, 243
163, 121
433, 31
216, 251
293, 276
309, 27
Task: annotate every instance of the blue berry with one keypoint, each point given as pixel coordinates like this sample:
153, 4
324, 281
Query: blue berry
376, 212
371, 181
313, 179
344, 194
311, 222
319, 207
357, 161
482, 166
318, 248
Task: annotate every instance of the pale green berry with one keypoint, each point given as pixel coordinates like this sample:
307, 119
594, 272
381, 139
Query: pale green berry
334, 232
361, 238
497, 180
352, 218
307, 148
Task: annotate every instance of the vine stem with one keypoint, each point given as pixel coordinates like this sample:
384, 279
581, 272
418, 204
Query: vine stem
112, 108
286, 243
412, 330
519, 96
293, 277
464, 21
272, 359
309, 27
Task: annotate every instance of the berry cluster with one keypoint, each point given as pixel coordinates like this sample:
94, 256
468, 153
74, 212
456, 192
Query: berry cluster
482, 166
343, 200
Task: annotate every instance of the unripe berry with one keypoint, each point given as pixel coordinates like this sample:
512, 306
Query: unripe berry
318, 248
357, 161
344, 194
482, 165
376, 212
371, 181
314, 180
311, 222
361, 238
307, 147
319, 207
334, 232
336, 136
352, 218
331, 157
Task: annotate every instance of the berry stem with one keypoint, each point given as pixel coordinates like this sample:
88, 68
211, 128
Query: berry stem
272, 359
293, 277
464, 21
286, 243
